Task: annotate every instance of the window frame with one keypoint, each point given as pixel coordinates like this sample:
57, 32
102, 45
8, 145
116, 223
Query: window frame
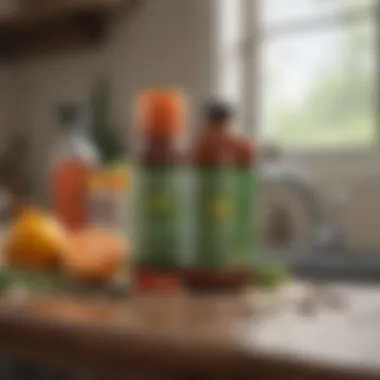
250, 52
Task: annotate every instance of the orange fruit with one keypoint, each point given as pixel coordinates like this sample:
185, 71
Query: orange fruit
95, 255
35, 241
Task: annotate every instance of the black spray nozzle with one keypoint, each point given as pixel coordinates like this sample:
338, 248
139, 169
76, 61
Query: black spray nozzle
218, 112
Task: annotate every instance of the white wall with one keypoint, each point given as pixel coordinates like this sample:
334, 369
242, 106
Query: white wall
162, 43
358, 173
6, 103
39, 85
165, 44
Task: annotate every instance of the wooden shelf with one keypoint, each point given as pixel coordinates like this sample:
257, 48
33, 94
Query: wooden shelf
46, 25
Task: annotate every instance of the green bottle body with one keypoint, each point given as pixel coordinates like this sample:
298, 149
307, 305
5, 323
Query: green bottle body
246, 215
214, 208
159, 216
219, 261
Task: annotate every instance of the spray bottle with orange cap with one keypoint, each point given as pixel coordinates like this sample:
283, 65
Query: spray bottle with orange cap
159, 196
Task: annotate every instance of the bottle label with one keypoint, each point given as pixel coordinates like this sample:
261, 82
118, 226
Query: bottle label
214, 219
246, 220
158, 217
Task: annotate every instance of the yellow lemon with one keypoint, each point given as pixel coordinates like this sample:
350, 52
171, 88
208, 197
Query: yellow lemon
35, 240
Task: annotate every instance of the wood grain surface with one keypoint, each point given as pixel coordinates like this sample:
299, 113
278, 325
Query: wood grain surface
302, 331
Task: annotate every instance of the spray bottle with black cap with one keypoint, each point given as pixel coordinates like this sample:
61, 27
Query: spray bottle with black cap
215, 263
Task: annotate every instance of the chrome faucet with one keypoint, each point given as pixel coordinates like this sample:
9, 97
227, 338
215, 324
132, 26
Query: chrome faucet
323, 236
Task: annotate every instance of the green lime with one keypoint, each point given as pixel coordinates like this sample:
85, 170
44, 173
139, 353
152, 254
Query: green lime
273, 275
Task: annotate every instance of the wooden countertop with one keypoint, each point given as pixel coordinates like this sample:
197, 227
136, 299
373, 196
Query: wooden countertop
294, 333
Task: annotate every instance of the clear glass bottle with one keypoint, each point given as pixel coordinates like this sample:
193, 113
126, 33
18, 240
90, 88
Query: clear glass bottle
74, 158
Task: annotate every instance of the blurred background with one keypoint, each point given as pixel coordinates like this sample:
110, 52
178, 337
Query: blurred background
304, 79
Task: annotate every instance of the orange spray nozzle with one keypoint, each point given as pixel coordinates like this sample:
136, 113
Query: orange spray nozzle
161, 112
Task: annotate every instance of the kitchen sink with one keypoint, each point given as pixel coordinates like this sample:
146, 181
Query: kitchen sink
330, 265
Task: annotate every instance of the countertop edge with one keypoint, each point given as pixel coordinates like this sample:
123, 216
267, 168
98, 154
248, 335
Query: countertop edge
96, 349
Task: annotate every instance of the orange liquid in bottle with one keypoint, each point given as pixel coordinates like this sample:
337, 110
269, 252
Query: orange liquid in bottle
70, 178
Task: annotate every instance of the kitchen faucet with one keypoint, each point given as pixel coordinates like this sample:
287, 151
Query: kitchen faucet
323, 236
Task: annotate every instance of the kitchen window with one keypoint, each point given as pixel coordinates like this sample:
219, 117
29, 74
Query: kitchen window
305, 72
